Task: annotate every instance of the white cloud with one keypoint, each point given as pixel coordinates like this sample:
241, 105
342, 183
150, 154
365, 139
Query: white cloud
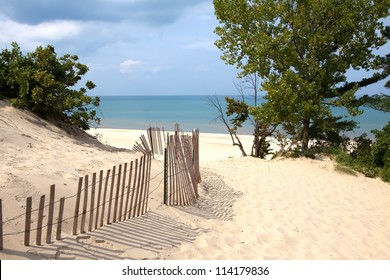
127, 65
32, 35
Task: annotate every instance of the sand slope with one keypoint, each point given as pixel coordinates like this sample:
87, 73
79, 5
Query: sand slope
248, 208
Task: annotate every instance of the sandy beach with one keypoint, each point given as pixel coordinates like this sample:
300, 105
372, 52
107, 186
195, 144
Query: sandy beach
300, 209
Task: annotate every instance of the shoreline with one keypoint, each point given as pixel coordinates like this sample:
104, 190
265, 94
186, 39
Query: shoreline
212, 146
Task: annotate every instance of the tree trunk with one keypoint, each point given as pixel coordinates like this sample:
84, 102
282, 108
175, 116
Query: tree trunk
256, 140
239, 144
305, 135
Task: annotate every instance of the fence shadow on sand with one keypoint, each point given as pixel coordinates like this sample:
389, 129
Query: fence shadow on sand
216, 200
143, 237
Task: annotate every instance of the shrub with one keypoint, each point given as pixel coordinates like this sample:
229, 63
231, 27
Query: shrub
46, 84
381, 147
385, 174
344, 158
368, 170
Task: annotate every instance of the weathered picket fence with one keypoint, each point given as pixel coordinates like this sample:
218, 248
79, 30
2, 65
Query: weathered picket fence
119, 193
181, 166
181, 163
116, 195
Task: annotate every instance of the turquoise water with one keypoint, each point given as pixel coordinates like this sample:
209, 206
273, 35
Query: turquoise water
140, 112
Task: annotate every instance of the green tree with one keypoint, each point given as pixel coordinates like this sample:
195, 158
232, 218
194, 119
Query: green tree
302, 50
46, 84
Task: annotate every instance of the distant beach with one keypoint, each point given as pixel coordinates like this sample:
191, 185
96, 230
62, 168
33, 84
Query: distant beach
194, 111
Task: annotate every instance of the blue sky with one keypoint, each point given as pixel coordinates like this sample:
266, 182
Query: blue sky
132, 47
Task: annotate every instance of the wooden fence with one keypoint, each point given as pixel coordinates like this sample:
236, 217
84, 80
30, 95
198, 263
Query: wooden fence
181, 166
43, 211
116, 195
120, 193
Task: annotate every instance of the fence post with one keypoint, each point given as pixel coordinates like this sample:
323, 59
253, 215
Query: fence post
165, 177
76, 209
28, 222
40, 220
1, 224
51, 214
60, 216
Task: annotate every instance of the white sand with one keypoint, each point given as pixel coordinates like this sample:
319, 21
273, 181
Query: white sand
248, 208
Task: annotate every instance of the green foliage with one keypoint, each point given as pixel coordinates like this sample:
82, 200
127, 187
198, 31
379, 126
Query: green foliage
344, 158
365, 156
380, 102
237, 108
46, 84
381, 147
329, 132
345, 169
362, 150
385, 174
302, 51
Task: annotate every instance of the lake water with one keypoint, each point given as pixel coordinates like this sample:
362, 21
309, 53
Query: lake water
140, 112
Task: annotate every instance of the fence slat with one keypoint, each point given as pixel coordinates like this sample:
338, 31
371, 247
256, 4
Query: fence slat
172, 176
123, 192
98, 198
111, 194
27, 226
150, 136
85, 204
1, 224
40, 220
133, 189
128, 191
147, 183
166, 166
77, 207
92, 207
104, 197
136, 206
118, 186
51, 214
60, 217
142, 188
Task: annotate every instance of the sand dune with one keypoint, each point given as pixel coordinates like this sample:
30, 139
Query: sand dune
248, 208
